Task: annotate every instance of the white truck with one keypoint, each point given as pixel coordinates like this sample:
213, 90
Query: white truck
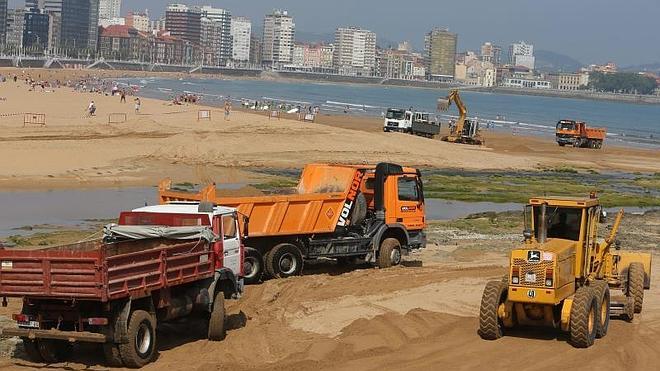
411, 122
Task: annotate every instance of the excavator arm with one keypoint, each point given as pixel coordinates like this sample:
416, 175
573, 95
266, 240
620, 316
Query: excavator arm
444, 104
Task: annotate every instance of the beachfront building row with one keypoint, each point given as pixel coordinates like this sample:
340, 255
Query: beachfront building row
314, 57
72, 27
121, 42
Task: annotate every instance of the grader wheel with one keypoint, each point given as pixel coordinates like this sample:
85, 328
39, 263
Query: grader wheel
585, 317
490, 325
602, 291
636, 285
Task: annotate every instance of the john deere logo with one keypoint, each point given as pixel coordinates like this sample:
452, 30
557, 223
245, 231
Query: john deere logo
531, 294
533, 256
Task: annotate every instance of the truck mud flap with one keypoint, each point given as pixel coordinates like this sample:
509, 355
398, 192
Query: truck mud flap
70, 336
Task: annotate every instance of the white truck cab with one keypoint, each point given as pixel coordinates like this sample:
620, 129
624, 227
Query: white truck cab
398, 120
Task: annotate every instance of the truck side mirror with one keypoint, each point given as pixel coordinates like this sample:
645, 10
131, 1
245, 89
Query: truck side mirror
246, 228
602, 217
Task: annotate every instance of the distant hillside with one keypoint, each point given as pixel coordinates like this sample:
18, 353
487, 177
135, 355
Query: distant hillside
650, 67
547, 61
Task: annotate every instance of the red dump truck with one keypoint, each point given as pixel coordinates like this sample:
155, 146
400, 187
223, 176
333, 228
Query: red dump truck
578, 134
158, 263
345, 212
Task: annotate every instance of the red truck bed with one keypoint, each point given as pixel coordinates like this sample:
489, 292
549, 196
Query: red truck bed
101, 272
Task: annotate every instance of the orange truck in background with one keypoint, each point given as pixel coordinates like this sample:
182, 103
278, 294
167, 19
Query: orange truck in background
345, 212
578, 134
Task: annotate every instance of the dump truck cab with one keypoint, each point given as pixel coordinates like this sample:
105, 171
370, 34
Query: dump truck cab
562, 274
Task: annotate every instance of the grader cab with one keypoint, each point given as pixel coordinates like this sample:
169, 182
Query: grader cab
564, 276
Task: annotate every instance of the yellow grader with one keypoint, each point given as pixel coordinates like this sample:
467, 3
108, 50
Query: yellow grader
564, 276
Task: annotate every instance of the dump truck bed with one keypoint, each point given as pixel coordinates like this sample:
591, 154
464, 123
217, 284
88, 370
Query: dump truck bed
314, 208
595, 133
102, 272
425, 128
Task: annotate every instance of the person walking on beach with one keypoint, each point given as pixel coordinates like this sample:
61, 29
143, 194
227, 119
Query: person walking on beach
227, 109
137, 106
122, 95
91, 109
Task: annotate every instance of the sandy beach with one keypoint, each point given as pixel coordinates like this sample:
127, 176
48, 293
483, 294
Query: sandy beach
74, 150
418, 316
421, 315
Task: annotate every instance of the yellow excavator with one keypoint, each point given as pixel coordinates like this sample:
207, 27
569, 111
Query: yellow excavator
464, 130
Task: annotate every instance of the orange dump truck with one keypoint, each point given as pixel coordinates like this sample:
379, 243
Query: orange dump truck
345, 212
578, 134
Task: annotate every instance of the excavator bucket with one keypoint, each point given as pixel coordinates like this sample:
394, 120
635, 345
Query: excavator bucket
443, 104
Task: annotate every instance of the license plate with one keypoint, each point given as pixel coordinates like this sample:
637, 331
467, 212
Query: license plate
30, 324
530, 277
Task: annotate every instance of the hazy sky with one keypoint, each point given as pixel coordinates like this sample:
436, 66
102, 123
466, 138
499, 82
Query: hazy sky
592, 31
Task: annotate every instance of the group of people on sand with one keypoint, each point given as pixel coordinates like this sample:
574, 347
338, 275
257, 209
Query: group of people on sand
91, 108
186, 98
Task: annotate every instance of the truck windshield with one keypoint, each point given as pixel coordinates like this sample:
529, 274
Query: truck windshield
394, 114
565, 125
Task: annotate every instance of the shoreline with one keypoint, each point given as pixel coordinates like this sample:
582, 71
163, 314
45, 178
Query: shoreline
165, 140
287, 76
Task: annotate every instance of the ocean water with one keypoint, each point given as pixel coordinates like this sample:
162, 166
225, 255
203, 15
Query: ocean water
626, 122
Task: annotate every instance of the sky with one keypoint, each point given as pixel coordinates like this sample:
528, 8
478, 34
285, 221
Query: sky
591, 31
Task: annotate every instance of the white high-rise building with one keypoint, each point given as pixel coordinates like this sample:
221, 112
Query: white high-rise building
222, 18
278, 38
109, 9
241, 32
139, 21
522, 54
355, 51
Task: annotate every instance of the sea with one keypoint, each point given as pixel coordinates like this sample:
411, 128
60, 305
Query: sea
627, 123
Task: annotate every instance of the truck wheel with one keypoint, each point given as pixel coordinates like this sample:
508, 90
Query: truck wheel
253, 266
141, 346
602, 291
112, 355
284, 260
54, 351
636, 285
389, 253
562, 144
217, 328
32, 350
584, 318
490, 325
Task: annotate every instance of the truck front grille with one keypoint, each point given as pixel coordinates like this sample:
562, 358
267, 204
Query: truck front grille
538, 269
